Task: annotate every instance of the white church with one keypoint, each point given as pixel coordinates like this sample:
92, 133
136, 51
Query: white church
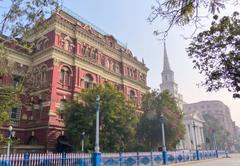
194, 137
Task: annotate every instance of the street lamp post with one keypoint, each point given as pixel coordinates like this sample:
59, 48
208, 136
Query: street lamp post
195, 137
83, 135
10, 128
97, 123
96, 158
164, 150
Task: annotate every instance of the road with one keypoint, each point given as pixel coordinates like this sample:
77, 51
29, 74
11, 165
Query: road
233, 161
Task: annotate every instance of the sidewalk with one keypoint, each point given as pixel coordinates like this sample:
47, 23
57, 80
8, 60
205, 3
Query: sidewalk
194, 161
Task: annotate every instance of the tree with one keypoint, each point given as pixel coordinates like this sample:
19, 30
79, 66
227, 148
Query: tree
183, 12
15, 22
118, 119
214, 130
23, 15
149, 128
216, 54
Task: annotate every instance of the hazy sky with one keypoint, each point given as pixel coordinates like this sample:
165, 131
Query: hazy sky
126, 20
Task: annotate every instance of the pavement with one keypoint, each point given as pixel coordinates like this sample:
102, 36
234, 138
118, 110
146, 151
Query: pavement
234, 160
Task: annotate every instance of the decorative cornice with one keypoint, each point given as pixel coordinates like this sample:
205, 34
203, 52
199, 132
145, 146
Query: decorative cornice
81, 34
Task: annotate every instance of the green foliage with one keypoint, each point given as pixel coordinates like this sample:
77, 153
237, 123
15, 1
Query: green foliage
183, 12
118, 119
9, 95
149, 129
23, 15
216, 54
212, 128
17, 21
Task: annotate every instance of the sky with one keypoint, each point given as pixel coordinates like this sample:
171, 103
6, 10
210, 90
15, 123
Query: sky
127, 21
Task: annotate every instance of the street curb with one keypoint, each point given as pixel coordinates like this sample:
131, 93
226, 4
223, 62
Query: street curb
194, 161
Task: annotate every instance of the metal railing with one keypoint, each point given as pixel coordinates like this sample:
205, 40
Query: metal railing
107, 159
47, 159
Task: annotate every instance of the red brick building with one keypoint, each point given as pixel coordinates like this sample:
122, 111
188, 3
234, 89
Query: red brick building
70, 55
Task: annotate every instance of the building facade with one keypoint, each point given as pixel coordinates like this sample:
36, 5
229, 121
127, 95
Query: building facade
219, 111
70, 55
215, 108
194, 137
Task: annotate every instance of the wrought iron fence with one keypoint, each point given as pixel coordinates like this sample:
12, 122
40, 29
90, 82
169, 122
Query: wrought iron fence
154, 158
47, 159
107, 159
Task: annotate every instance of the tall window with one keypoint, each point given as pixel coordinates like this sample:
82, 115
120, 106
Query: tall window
88, 51
88, 81
114, 66
44, 74
1, 80
62, 76
65, 76
14, 113
84, 50
66, 45
107, 63
94, 54
16, 80
62, 108
68, 76
35, 76
103, 61
132, 94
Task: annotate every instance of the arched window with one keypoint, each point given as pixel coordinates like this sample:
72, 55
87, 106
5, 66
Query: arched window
65, 76
88, 81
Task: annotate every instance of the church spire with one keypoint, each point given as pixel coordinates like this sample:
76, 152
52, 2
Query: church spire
166, 65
